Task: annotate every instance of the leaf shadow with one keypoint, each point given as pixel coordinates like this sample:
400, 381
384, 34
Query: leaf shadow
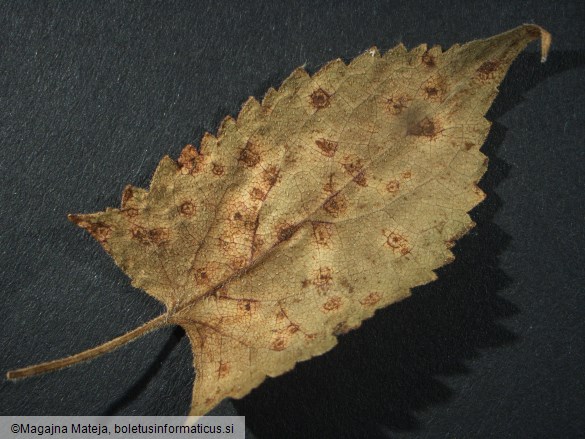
379, 376
116, 407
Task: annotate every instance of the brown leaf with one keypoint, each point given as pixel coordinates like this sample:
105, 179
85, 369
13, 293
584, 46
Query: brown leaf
332, 198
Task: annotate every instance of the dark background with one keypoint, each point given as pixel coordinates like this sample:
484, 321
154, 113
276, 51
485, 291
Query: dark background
93, 94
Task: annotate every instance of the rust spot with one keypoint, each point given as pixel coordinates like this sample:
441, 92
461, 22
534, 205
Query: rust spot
187, 208
469, 145
158, 236
425, 128
223, 370
336, 205
396, 104
238, 263
257, 245
322, 232
329, 187
249, 155
345, 283
130, 212
247, 307
397, 242
271, 175
332, 304
342, 328
360, 179
371, 299
217, 169
327, 147
127, 195
205, 274
257, 194
393, 186
278, 344
434, 89
487, 69
320, 99
407, 175
292, 328
99, 230
428, 59
323, 279
190, 161
286, 231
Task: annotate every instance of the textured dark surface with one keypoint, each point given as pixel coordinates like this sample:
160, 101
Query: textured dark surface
93, 95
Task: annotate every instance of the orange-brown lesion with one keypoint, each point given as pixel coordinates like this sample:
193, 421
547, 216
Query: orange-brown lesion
397, 242
322, 232
396, 104
319, 99
371, 299
327, 147
249, 155
190, 161
332, 304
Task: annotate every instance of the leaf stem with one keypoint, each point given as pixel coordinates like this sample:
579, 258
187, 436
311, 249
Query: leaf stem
109, 346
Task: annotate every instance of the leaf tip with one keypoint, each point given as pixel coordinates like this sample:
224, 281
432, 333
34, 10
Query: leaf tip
536, 31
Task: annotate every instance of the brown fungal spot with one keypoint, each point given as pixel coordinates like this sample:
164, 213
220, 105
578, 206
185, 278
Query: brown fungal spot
424, 128
249, 155
271, 175
393, 186
345, 283
157, 236
434, 89
257, 245
187, 208
336, 205
238, 262
428, 59
292, 328
360, 179
205, 274
396, 104
327, 147
238, 216
100, 231
217, 169
286, 231
322, 232
127, 195
332, 304
223, 370
306, 283
247, 307
257, 194
487, 69
278, 344
397, 242
320, 99
469, 145
130, 212
371, 299
190, 161
323, 279
329, 187
342, 328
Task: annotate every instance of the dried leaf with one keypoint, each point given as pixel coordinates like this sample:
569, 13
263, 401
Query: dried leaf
332, 198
